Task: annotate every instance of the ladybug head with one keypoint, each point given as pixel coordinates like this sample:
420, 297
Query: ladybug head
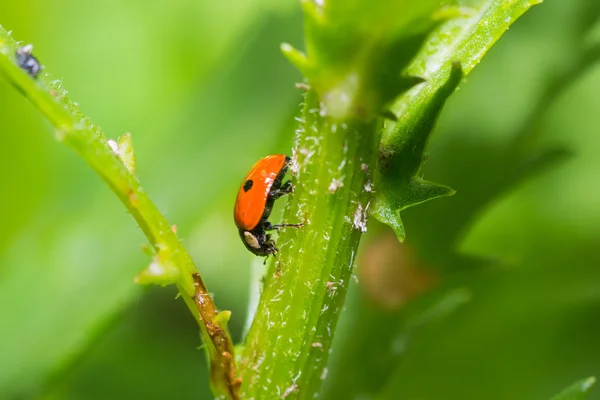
258, 242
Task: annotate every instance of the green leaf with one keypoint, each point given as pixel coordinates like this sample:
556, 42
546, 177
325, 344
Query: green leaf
464, 39
420, 191
356, 52
577, 391
436, 228
387, 206
160, 272
402, 159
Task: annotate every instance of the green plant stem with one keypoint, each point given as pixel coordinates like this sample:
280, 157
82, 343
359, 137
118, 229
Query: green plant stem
288, 344
77, 132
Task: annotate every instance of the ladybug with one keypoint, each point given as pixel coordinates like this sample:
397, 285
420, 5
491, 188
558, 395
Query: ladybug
27, 61
254, 203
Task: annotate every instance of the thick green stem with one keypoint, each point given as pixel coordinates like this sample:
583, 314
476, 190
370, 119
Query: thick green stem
288, 344
77, 131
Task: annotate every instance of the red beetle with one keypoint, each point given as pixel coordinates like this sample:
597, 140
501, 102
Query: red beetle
259, 190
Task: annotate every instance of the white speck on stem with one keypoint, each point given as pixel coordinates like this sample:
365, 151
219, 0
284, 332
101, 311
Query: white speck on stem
155, 268
352, 266
290, 390
331, 287
114, 146
360, 217
277, 296
314, 139
307, 154
335, 185
324, 373
323, 111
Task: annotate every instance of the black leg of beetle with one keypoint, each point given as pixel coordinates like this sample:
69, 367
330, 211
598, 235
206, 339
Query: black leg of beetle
268, 227
274, 254
286, 188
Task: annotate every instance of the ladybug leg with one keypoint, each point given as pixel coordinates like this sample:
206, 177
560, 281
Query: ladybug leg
286, 188
269, 244
267, 226
272, 252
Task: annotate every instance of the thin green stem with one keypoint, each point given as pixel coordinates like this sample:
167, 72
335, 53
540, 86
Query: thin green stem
288, 344
77, 131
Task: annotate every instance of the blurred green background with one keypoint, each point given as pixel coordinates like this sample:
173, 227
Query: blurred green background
495, 295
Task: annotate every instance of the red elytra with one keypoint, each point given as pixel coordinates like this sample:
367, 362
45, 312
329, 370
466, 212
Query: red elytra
253, 195
259, 190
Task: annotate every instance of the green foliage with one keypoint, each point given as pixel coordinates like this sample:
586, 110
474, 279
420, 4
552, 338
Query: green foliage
397, 181
453, 49
212, 96
172, 264
352, 73
356, 52
80, 277
376, 360
304, 289
577, 391
527, 266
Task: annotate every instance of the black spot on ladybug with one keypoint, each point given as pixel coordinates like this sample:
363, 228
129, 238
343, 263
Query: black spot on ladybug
248, 185
27, 61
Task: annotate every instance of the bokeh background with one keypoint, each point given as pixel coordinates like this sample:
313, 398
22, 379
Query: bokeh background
495, 295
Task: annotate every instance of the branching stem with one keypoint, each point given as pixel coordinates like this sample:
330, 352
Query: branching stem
76, 130
288, 344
